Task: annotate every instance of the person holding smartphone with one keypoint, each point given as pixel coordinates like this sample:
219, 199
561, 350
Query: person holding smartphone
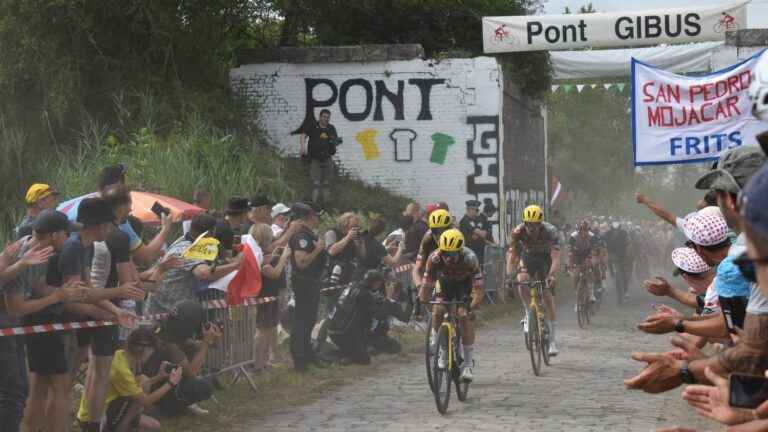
128, 392
345, 245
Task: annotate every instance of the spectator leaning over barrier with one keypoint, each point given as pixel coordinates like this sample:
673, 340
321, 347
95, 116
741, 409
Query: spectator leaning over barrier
112, 263
697, 274
273, 281
308, 263
749, 355
183, 283
708, 236
177, 346
317, 142
128, 393
23, 267
40, 196
280, 216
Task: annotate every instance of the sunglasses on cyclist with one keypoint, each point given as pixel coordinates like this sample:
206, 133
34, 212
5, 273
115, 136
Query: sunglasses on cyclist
453, 254
437, 232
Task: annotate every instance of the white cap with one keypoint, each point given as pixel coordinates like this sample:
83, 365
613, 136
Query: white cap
279, 209
688, 260
705, 229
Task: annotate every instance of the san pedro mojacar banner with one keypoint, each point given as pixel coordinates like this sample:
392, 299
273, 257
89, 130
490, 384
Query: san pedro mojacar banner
679, 119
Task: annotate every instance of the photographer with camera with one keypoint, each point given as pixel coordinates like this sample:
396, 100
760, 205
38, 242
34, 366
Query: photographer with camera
346, 247
128, 393
318, 142
177, 344
352, 317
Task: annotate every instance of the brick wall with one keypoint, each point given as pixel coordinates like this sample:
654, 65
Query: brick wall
426, 129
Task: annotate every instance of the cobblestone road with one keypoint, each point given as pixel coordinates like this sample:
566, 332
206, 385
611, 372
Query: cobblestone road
582, 391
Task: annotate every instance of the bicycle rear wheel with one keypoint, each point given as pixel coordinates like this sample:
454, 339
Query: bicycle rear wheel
428, 356
581, 303
442, 376
536, 347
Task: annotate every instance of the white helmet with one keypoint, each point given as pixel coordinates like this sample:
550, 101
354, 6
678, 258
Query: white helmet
758, 90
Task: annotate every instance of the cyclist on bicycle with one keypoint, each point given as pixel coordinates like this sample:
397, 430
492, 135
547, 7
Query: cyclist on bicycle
534, 251
454, 273
584, 244
439, 221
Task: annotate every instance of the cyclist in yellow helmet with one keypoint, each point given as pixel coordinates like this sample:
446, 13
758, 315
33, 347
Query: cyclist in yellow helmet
534, 251
454, 273
438, 221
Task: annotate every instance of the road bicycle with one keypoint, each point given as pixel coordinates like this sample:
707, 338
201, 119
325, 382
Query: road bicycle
537, 334
447, 359
584, 275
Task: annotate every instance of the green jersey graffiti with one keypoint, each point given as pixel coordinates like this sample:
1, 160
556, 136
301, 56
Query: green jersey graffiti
441, 143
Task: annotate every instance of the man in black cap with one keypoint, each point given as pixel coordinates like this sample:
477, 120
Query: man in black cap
236, 215
260, 210
28, 296
475, 229
308, 262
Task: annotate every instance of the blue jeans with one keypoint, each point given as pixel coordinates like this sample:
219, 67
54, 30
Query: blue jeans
14, 384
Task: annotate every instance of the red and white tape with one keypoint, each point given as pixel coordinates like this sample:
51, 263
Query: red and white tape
53, 327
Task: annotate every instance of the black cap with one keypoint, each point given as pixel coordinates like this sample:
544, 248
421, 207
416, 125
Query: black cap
112, 174
301, 210
237, 205
185, 319
261, 201
473, 204
94, 211
51, 221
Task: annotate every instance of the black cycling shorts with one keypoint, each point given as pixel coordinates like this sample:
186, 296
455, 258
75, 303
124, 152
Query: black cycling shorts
453, 291
537, 268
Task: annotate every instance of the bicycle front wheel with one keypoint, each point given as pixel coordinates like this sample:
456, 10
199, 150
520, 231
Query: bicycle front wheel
441, 376
428, 355
535, 337
581, 303
462, 387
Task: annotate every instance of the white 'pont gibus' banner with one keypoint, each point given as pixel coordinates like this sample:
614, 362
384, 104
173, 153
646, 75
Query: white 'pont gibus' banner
679, 119
615, 29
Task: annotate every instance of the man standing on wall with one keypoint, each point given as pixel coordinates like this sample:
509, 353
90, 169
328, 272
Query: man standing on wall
321, 145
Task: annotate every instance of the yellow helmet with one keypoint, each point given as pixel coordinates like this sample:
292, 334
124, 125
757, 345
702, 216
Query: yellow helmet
439, 219
451, 241
533, 213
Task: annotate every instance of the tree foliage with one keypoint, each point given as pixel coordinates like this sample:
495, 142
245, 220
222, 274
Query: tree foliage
440, 26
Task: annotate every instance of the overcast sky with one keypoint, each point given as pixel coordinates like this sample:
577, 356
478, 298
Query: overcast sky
757, 10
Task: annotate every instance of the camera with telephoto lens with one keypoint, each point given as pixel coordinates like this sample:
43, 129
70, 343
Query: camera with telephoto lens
170, 367
336, 141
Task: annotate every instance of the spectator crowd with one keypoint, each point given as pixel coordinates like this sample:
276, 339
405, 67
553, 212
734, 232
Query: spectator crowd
90, 259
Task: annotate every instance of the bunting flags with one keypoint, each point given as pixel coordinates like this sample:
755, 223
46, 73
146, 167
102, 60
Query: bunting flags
566, 88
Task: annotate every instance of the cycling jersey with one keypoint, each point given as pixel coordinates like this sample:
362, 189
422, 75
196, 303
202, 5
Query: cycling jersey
456, 280
581, 248
536, 245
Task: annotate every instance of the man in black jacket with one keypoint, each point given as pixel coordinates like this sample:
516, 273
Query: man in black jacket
352, 317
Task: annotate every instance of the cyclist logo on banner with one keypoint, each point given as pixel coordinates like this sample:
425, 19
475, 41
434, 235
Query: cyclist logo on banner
726, 23
501, 34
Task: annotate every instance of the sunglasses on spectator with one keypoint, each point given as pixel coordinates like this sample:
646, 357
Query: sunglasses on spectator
746, 266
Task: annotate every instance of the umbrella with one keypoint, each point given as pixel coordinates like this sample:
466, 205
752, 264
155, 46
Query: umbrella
142, 206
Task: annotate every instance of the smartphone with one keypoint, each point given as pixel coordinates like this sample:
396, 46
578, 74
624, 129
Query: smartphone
160, 210
748, 391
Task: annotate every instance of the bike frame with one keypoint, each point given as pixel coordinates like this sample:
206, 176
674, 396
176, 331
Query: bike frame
450, 322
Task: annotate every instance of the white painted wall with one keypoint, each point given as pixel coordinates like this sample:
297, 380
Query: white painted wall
400, 153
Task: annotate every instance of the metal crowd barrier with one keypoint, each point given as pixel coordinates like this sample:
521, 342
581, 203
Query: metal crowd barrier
494, 273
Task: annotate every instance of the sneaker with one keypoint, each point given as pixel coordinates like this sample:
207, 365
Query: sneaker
553, 351
524, 323
467, 375
441, 359
198, 410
